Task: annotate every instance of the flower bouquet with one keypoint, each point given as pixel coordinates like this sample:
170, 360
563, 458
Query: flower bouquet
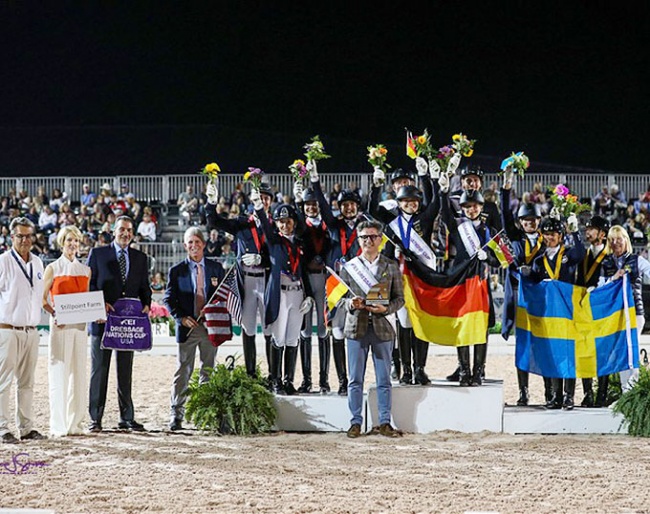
463, 144
315, 151
298, 170
377, 156
254, 177
518, 162
419, 146
158, 313
442, 156
211, 171
564, 203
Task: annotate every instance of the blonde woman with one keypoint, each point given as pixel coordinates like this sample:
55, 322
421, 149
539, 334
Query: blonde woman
68, 347
619, 261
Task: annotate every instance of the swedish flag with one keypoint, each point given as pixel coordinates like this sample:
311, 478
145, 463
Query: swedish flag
564, 331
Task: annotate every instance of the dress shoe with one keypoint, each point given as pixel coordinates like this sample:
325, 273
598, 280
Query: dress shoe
34, 435
95, 427
131, 425
354, 431
175, 425
9, 438
388, 431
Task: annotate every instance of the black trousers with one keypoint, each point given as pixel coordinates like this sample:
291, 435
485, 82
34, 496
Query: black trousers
100, 366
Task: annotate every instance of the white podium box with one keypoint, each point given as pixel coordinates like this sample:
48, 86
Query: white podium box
443, 406
313, 413
539, 420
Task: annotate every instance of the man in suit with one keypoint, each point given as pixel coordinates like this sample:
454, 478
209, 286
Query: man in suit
119, 272
366, 325
190, 285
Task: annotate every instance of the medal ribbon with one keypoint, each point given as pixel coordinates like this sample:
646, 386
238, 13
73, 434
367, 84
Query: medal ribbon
406, 237
294, 256
594, 266
257, 237
529, 253
554, 274
345, 244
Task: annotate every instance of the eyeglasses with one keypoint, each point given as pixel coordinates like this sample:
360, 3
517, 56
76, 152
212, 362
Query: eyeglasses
23, 237
372, 237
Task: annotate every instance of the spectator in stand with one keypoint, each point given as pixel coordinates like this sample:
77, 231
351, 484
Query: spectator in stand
58, 199
602, 203
643, 203
47, 219
117, 204
618, 197
213, 244
147, 228
124, 191
87, 196
228, 257
623, 216
5, 239
537, 195
33, 215
135, 209
336, 190
188, 204
635, 233
238, 193
86, 245
40, 197
157, 283
106, 191
24, 201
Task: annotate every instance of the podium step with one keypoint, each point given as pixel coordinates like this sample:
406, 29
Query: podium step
580, 420
443, 406
312, 413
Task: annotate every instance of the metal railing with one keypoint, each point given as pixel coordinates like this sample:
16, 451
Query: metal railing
166, 188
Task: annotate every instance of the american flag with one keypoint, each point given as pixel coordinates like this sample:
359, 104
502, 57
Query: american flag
225, 307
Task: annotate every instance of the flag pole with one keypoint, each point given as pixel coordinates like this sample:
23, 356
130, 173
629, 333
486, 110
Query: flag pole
337, 277
495, 235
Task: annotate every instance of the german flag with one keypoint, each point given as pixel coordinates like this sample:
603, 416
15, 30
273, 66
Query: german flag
450, 310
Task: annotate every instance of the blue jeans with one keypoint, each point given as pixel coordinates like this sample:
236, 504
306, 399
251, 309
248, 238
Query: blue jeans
357, 359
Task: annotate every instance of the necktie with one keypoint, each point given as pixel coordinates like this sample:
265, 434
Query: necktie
122, 262
200, 290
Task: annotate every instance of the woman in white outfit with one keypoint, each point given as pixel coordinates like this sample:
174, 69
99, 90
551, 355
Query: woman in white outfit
68, 347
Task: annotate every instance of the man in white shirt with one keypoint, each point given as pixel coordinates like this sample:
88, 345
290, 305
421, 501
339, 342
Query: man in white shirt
21, 293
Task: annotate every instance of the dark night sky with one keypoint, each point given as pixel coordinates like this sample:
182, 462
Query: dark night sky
564, 81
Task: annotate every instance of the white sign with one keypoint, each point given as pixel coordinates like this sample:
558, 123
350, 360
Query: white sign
79, 307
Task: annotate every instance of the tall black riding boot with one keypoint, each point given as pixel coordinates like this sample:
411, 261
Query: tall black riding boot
522, 380
396, 365
338, 348
569, 392
324, 350
588, 400
478, 371
421, 348
405, 336
601, 395
465, 374
275, 376
455, 376
290, 361
556, 394
250, 354
548, 390
305, 364
268, 348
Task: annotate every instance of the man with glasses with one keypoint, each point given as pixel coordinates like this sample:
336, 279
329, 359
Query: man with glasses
366, 325
21, 294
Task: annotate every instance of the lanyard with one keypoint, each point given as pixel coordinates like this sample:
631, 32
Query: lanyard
529, 253
597, 261
259, 240
30, 277
345, 244
294, 256
405, 236
554, 274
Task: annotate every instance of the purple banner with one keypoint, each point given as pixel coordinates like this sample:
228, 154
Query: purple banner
127, 327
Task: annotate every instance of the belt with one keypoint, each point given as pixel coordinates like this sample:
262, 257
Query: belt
249, 274
319, 272
11, 327
291, 288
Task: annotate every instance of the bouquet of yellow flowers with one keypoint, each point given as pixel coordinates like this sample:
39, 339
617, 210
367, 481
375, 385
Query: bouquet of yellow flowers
254, 177
377, 156
419, 146
315, 151
298, 169
464, 145
211, 171
518, 162
565, 203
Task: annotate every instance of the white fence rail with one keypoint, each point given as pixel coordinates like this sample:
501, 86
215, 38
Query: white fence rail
166, 188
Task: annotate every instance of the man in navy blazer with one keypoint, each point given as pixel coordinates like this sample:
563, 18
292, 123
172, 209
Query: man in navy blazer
107, 277
186, 299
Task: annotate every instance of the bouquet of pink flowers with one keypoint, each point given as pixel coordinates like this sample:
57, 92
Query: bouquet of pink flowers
210, 170
254, 177
564, 203
442, 156
158, 313
298, 170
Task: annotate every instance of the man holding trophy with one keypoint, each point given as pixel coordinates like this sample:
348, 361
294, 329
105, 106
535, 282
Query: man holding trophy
376, 291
